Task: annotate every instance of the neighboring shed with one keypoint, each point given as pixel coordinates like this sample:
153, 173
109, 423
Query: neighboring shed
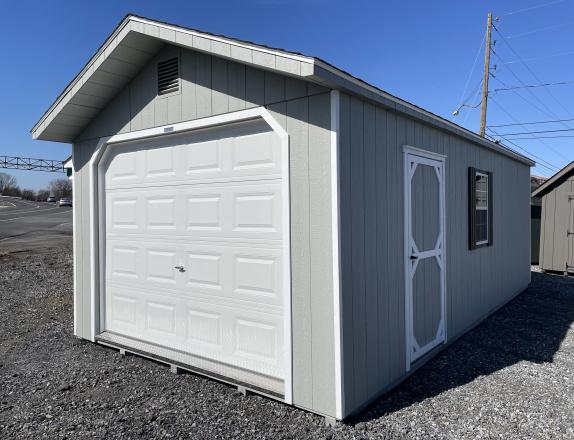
557, 221
535, 219
69, 167
262, 217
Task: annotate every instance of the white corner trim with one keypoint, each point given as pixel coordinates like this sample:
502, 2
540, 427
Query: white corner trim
97, 226
336, 251
74, 250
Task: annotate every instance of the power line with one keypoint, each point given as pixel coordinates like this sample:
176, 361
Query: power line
472, 70
532, 137
548, 165
519, 11
531, 71
544, 57
545, 137
476, 95
533, 123
547, 112
531, 86
533, 31
539, 132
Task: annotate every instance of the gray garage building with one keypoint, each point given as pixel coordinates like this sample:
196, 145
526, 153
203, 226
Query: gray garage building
265, 218
557, 221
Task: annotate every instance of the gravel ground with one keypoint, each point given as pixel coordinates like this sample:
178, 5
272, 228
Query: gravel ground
512, 377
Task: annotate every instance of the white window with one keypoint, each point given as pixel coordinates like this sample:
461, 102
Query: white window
480, 209
481, 206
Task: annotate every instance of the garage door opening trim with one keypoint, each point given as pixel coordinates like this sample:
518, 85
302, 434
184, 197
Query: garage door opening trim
96, 224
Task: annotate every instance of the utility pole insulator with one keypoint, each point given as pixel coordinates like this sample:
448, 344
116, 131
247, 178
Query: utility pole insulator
486, 75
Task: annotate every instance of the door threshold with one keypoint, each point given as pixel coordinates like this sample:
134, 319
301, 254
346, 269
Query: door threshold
177, 360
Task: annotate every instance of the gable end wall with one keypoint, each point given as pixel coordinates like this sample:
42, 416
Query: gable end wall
211, 86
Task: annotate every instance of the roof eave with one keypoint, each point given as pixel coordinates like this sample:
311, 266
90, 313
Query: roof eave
283, 62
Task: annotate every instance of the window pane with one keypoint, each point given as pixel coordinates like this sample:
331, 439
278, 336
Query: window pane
481, 228
481, 191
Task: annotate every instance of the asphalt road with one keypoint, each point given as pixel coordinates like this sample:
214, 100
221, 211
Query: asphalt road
26, 225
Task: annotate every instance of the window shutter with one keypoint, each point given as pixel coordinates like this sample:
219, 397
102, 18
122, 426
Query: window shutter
471, 208
490, 211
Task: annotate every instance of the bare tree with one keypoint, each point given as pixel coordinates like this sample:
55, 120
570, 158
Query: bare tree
42, 195
60, 188
28, 194
7, 184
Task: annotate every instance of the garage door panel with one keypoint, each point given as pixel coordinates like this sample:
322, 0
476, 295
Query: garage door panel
210, 203
237, 211
160, 318
160, 266
194, 158
232, 271
160, 212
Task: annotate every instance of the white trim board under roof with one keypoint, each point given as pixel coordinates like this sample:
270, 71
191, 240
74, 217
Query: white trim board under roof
137, 39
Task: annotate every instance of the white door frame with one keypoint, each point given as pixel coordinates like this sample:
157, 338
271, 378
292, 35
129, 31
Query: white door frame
437, 161
97, 224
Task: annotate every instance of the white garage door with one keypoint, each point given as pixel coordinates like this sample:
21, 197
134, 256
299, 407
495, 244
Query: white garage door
194, 247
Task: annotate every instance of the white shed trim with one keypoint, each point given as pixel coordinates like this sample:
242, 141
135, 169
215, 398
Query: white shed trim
335, 230
96, 224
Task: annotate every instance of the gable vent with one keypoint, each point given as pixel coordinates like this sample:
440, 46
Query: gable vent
168, 76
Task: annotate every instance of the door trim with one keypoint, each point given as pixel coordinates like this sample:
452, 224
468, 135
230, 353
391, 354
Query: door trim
429, 157
97, 236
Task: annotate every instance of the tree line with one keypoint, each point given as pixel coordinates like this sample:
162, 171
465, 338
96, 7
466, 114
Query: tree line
58, 188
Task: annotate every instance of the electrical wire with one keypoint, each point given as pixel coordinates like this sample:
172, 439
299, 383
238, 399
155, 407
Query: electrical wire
532, 137
519, 11
472, 70
544, 57
533, 123
547, 112
531, 71
545, 137
533, 31
541, 162
531, 86
477, 93
538, 132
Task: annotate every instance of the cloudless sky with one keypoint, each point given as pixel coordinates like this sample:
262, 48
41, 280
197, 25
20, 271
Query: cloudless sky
421, 51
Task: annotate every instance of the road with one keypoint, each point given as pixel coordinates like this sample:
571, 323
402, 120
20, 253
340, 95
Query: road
25, 225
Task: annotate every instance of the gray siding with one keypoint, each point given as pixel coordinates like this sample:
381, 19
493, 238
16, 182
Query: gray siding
372, 225
555, 219
211, 86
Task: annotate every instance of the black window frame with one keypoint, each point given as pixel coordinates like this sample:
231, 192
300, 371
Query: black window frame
472, 172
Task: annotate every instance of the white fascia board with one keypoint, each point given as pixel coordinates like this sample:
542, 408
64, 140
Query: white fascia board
123, 30
229, 41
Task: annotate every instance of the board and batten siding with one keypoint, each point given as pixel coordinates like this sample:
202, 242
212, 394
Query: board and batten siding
210, 86
372, 248
555, 222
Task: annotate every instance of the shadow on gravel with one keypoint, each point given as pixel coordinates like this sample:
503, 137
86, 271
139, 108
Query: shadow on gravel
529, 328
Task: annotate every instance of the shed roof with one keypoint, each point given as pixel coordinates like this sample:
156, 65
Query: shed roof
137, 39
555, 180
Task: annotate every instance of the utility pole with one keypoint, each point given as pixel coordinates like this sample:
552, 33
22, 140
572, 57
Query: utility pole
485, 76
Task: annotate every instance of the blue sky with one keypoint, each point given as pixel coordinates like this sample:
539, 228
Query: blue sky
420, 51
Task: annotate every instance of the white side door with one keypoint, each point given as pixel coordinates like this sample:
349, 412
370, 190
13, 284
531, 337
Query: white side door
424, 253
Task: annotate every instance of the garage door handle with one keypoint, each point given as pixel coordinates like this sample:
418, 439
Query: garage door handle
180, 268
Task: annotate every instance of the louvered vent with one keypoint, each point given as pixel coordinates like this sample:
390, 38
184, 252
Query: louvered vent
168, 76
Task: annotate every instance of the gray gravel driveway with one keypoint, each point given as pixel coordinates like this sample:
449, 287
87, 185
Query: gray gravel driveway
512, 377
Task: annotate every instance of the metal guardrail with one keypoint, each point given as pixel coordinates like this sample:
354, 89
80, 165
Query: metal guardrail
27, 163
